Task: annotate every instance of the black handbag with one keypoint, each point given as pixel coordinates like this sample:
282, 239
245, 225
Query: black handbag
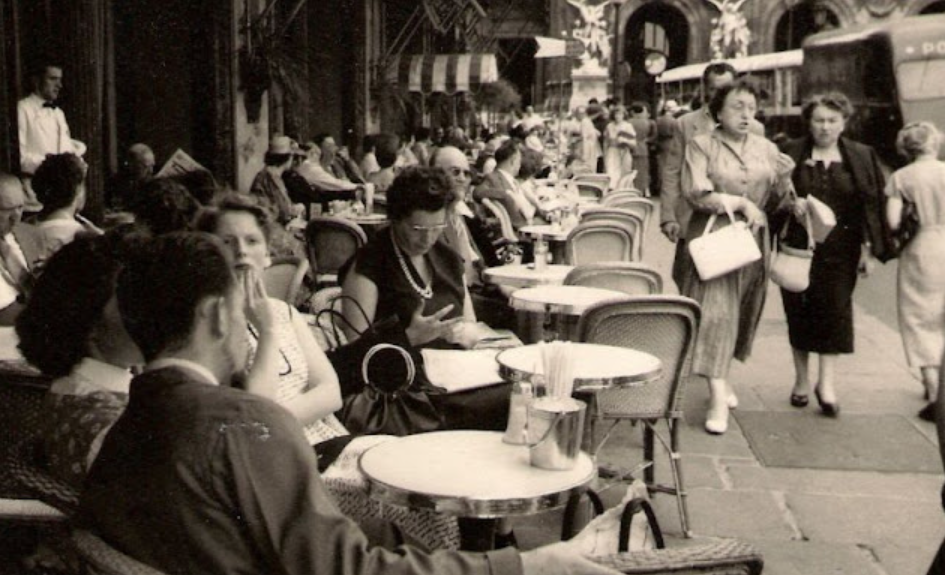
908, 226
387, 405
347, 358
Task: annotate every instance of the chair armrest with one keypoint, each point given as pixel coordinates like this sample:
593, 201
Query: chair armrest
718, 557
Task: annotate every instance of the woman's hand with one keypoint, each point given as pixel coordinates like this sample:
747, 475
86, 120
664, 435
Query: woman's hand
426, 328
464, 334
756, 218
256, 306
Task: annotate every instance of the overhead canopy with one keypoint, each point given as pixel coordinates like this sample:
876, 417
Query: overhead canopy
746, 65
449, 73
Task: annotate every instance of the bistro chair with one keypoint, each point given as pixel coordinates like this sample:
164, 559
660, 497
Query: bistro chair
713, 557
619, 193
21, 411
628, 181
330, 242
630, 220
284, 278
590, 190
666, 327
641, 206
500, 214
601, 179
99, 558
599, 241
628, 277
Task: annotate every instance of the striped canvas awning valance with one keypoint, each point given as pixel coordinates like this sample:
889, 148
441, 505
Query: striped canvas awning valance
449, 73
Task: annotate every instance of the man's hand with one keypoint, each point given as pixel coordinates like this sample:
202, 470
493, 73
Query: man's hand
671, 231
426, 328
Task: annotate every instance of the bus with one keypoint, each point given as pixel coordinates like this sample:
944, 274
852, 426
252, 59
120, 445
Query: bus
890, 71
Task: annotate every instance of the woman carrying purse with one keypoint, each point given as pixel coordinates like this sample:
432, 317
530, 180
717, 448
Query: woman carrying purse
730, 170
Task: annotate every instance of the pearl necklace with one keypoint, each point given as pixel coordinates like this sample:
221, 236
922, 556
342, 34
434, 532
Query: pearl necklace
426, 292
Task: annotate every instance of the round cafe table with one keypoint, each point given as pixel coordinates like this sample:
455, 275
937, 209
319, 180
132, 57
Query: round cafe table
525, 275
558, 304
432, 471
547, 231
596, 366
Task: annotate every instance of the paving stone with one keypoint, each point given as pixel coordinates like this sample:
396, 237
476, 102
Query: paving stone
910, 487
872, 521
742, 514
851, 441
812, 558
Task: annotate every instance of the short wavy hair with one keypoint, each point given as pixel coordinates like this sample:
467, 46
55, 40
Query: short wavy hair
418, 188
917, 139
164, 205
69, 298
836, 101
57, 180
208, 218
162, 283
718, 99
531, 164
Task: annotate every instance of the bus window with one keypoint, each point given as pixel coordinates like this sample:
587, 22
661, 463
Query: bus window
918, 79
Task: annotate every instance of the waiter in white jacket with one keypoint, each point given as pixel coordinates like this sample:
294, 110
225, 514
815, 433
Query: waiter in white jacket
42, 126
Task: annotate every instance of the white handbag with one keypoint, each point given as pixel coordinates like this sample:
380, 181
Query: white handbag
790, 268
822, 219
724, 250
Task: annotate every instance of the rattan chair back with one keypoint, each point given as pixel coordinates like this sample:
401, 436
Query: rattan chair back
98, 557
599, 241
330, 243
630, 220
284, 278
628, 277
640, 206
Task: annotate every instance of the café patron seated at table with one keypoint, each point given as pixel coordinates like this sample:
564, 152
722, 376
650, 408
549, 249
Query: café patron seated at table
407, 272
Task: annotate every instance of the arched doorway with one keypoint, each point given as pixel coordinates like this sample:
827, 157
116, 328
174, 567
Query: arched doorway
800, 22
652, 26
934, 8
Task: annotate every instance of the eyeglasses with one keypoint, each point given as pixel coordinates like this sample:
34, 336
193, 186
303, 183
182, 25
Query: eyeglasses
457, 172
433, 228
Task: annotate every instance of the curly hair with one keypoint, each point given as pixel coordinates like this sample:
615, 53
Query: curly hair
836, 101
68, 300
57, 181
918, 139
718, 99
165, 205
208, 219
418, 188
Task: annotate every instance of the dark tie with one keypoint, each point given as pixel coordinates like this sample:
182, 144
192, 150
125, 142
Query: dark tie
48, 104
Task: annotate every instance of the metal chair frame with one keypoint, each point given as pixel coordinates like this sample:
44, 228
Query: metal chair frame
505, 221
645, 279
630, 323
591, 190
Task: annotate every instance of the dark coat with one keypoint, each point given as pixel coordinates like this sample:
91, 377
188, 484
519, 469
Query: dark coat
870, 182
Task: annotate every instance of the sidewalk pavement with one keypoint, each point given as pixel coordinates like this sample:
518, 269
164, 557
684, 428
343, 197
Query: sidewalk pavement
854, 495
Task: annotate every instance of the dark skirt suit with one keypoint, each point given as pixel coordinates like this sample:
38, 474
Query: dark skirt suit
820, 319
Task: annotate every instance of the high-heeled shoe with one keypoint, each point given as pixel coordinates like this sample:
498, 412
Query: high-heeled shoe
827, 408
716, 419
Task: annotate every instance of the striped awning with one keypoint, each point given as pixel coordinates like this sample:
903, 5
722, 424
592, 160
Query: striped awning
449, 73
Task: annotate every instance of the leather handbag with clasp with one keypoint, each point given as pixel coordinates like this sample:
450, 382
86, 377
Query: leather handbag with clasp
719, 252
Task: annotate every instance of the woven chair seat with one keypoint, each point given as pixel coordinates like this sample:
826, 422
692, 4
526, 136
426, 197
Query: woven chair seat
24, 463
717, 557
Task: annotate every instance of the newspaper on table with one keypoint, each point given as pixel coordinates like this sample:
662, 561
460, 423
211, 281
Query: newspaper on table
178, 164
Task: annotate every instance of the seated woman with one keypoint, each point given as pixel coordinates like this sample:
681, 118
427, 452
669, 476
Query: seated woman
71, 330
59, 184
408, 274
423, 279
289, 368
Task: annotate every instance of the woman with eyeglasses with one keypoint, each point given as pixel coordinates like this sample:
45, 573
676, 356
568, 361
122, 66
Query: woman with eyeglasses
407, 272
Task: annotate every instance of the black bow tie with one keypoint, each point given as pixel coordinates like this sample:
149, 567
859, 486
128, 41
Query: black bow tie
48, 104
